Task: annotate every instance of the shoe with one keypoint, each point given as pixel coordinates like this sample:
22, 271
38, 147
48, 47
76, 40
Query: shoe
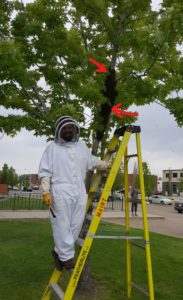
136, 215
57, 261
68, 264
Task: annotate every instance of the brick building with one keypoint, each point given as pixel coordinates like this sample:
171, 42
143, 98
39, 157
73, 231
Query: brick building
3, 189
132, 179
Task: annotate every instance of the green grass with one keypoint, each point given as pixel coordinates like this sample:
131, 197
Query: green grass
26, 264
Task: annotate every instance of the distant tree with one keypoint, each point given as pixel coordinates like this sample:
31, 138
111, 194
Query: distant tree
149, 180
13, 177
9, 175
25, 181
135, 173
119, 180
5, 174
180, 185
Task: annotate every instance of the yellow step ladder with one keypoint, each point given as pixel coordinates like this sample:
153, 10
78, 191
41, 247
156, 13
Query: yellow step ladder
121, 153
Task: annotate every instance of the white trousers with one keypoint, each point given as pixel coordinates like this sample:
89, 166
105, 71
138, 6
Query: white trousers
66, 225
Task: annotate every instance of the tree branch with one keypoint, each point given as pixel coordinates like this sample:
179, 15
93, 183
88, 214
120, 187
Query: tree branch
33, 101
39, 97
66, 86
29, 96
145, 73
151, 65
145, 17
121, 29
154, 61
105, 20
82, 32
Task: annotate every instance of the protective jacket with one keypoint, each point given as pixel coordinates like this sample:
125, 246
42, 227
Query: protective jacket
66, 163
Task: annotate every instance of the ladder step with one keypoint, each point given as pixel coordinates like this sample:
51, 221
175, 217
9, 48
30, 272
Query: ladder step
139, 288
57, 291
138, 245
125, 237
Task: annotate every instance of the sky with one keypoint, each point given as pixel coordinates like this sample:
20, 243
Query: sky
161, 142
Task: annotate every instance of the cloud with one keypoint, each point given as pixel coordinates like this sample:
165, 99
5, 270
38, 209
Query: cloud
22, 152
161, 138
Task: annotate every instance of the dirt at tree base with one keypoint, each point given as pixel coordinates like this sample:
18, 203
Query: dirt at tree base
92, 291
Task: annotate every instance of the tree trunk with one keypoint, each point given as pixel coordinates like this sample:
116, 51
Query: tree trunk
105, 111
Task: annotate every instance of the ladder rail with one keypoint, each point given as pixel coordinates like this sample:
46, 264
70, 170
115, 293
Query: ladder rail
96, 219
54, 279
98, 176
127, 227
145, 222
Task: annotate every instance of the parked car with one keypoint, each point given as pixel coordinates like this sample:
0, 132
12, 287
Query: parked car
27, 189
160, 200
15, 188
179, 206
35, 187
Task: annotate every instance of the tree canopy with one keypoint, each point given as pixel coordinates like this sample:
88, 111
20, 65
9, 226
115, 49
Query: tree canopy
150, 180
9, 175
45, 48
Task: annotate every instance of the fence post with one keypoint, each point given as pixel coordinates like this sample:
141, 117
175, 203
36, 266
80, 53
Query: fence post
112, 203
122, 204
29, 200
14, 196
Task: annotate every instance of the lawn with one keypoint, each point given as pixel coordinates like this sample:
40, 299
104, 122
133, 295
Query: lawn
26, 264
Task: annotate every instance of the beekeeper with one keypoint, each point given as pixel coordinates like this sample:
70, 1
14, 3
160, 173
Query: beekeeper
62, 171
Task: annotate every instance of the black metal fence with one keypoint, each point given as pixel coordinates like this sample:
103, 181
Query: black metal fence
33, 201
24, 201
112, 204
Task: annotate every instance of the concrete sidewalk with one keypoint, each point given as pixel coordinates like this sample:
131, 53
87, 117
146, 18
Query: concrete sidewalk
43, 214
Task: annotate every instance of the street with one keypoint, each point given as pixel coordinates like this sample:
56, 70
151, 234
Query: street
161, 218
170, 224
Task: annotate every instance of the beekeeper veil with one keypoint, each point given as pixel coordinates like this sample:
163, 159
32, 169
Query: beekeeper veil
60, 123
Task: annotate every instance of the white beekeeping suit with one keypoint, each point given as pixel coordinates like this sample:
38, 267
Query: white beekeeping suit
62, 171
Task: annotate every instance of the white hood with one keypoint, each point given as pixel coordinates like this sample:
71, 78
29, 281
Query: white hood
60, 123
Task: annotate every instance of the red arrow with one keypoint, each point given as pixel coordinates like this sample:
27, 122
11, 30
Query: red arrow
117, 111
101, 67
120, 112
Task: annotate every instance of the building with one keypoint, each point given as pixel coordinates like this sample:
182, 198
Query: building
159, 185
3, 189
172, 181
